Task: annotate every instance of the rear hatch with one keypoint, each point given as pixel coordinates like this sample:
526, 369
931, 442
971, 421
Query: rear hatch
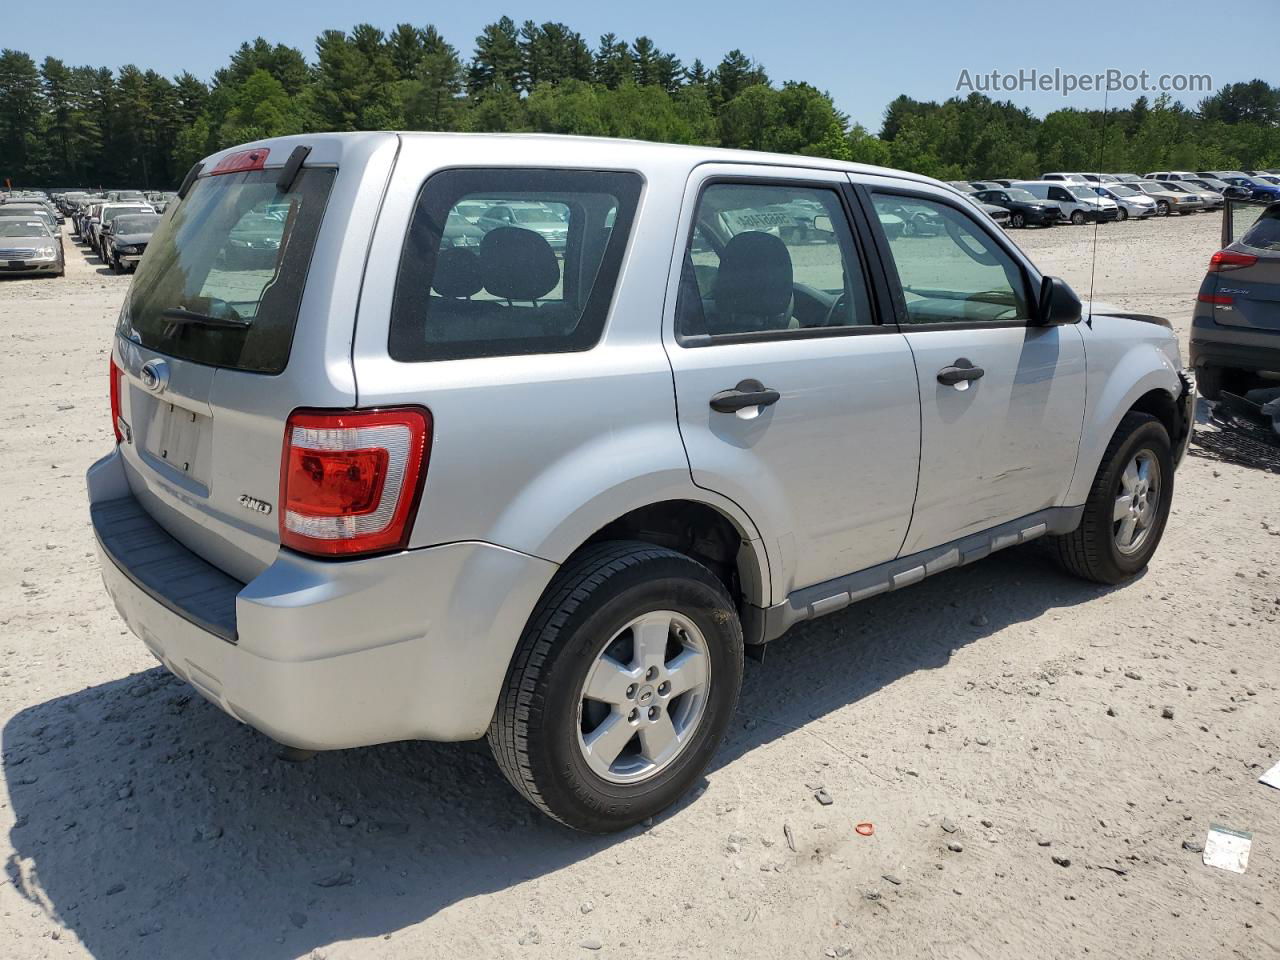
1248, 271
241, 312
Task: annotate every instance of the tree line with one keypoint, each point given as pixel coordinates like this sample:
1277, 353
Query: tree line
93, 126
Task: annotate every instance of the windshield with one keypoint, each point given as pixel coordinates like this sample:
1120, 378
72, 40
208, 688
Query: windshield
1120, 191
1022, 196
135, 224
527, 215
1081, 193
110, 213
23, 228
236, 249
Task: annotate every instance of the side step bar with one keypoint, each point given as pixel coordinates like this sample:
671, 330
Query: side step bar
823, 598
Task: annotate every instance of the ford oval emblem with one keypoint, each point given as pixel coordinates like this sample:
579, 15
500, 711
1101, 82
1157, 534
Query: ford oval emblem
155, 375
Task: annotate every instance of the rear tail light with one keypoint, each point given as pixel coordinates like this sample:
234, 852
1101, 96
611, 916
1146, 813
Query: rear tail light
1225, 260
350, 481
1217, 299
115, 401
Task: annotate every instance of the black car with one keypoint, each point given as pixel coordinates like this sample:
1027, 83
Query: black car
126, 239
1024, 209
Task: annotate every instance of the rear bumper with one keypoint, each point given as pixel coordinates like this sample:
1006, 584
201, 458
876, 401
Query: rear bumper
319, 654
1238, 348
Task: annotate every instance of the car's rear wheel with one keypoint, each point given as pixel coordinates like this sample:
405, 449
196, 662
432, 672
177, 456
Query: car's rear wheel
1211, 381
622, 687
1077, 217
1128, 505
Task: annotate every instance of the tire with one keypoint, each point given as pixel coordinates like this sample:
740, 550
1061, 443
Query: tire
537, 733
1091, 551
1209, 382
1162, 208
1078, 218
1017, 220
1122, 214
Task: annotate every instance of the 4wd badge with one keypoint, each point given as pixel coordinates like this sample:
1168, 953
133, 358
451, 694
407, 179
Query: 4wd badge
253, 503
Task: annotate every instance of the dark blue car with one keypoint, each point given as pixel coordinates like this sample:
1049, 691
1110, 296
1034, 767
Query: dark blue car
1262, 190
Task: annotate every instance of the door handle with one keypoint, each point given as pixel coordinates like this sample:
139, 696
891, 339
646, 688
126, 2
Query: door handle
960, 372
748, 393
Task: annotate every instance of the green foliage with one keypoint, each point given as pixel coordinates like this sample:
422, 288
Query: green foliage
92, 126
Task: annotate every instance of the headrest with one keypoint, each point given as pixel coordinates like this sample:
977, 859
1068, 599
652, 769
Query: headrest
457, 274
518, 264
755, 276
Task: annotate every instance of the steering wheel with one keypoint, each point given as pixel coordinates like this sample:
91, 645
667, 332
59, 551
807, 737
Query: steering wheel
835, 307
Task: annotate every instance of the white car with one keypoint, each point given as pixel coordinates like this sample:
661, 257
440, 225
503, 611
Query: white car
384, 487
1130, 202
1079, 202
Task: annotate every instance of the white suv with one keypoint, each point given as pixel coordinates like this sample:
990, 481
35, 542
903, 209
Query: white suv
372, 485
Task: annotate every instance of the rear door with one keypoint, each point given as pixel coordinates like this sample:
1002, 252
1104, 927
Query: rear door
1251, 276
1001, 399
793, 398
219, 340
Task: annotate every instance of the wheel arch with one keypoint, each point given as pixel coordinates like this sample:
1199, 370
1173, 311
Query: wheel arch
1143, 381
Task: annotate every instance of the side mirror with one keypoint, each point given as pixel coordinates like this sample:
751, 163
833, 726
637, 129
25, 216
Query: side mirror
1058, 303
823, 224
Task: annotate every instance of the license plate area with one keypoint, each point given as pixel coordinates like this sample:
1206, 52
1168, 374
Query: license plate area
179, 439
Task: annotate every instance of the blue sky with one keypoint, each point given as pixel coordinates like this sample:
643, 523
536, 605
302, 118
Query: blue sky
863, 53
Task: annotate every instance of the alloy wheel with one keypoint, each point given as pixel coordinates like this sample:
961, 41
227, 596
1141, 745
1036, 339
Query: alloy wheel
1137, 503
644, 697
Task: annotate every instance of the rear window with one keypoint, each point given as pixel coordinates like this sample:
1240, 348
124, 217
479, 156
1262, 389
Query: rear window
223, 277
1265, 234
510, 262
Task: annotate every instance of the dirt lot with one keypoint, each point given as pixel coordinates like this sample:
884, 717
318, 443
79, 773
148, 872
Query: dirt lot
1016, 706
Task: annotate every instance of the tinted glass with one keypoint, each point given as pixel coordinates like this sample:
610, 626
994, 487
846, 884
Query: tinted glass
127, 224
236, 250
510, 262
958, 274
1265, 233
767, 258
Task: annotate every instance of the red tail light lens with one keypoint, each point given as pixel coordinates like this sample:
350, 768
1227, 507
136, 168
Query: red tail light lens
1218, 300
1227, 260
115, 400
241, 161
350, 481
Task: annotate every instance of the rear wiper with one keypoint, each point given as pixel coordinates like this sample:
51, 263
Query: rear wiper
178, 318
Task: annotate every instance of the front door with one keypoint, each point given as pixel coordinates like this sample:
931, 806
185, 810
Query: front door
1001, 398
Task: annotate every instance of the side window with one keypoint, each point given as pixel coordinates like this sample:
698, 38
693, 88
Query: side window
956, 274
769, 258
510, 262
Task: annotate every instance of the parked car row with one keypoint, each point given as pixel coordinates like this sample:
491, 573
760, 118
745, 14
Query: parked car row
1081, 198
30, 239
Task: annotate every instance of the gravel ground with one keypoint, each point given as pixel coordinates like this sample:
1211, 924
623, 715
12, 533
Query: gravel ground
1001, 726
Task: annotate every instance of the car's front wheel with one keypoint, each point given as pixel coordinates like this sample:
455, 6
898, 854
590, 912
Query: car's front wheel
1017, 220
1162, 208
1128, 505
1077, 217
622, 687
1122, 214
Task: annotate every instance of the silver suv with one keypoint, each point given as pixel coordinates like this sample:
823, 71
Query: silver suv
370, 485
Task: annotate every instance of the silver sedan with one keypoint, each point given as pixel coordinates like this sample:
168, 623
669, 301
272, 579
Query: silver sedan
27, 246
